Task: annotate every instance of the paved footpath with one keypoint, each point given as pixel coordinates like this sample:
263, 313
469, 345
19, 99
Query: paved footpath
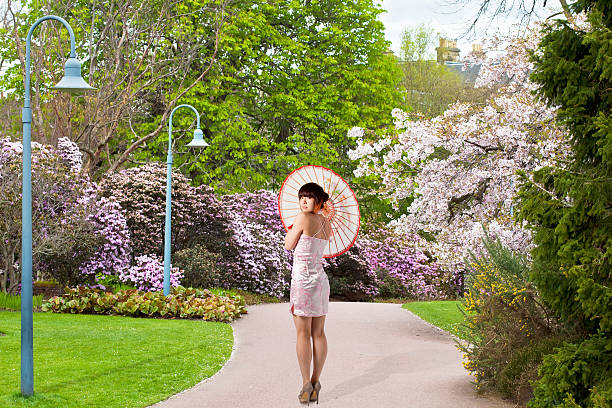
380, 356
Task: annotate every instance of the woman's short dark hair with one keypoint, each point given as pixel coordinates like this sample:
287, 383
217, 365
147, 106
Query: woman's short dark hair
313, 190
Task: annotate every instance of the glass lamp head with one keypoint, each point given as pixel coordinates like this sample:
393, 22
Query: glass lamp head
198, 139
73, 82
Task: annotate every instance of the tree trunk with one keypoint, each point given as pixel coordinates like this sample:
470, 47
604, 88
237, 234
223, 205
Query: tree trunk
566, 11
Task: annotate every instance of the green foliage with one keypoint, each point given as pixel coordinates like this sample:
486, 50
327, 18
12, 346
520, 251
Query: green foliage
390, 287
186, 303
569, 207
569, 210
13, 302
349, 278
577, 375
418, 43
200, 267
430, 87
515, 379
289, 82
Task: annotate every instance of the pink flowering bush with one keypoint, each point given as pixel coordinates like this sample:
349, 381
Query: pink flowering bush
392, 267
114, 255
403, 271
77, 236
261, 264
148, 274
196, 213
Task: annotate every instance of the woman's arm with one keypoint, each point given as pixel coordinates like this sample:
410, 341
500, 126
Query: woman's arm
293, 235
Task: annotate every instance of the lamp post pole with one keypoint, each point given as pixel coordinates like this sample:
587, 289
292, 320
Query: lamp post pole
72, 82
197, 141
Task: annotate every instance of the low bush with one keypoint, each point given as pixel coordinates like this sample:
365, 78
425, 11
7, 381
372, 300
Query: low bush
200, 267
148, 274
61, 255
390, 287
508, 329
515, 379
186, 303
47, 288
349, 277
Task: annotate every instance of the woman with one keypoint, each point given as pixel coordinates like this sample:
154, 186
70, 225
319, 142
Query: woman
309, 296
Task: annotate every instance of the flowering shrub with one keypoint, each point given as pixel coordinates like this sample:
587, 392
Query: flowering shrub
113, 256
508, 328
141, 192
76, 234
404, 271
148, 274
181, 302
70, 154
261, 263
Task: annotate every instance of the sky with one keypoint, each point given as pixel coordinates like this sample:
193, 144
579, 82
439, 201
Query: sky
450, 20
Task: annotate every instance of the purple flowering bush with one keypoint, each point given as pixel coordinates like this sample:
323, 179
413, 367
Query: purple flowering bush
76, 235
148, 274
141, 192
114, 254
403, 271
261, 263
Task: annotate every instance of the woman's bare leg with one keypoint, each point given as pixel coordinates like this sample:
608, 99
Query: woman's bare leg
303, 347
319, 347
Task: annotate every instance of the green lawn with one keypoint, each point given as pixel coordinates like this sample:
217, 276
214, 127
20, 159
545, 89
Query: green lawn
109, 361
445, 314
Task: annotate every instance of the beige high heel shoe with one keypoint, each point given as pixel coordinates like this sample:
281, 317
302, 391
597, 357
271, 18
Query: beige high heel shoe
314, 395
304, 395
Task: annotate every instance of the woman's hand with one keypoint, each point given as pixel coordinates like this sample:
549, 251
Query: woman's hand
327, 210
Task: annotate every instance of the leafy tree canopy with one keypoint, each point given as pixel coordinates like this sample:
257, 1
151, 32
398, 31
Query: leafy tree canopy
291, 79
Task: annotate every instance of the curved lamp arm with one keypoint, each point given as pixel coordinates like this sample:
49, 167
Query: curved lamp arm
28, 41
170, 123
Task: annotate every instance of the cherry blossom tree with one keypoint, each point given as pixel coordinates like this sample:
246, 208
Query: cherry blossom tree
460, 168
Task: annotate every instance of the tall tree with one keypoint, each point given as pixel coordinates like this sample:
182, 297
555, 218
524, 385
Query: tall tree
292, 77
134, 51
571, 209
431, 87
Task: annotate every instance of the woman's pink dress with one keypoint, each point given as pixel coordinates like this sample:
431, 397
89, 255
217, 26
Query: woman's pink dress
309, 296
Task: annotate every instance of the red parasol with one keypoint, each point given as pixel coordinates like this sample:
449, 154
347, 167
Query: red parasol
342, 206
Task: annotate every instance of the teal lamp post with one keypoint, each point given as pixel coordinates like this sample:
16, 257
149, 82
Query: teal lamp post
72, 82
198, 141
